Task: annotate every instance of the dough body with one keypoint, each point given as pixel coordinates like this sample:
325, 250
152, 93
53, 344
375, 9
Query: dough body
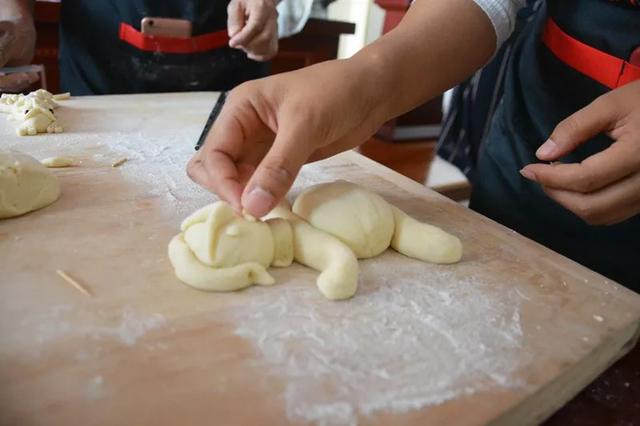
25, 184
359, 218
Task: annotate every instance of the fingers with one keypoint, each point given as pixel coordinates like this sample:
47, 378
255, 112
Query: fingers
235, 17
265, 45
607, 206
591, 120
276, 172
17, 82
214, 166
259, 12
620, 160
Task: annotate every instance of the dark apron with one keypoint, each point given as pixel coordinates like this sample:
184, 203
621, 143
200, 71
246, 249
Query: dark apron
93, 60
539, 92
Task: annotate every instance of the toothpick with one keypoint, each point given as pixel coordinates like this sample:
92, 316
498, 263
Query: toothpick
120, 162
75, 284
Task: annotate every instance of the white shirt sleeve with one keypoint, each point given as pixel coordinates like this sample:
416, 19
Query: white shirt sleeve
502, 14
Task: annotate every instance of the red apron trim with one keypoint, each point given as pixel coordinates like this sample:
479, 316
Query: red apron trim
602, 67
150, 43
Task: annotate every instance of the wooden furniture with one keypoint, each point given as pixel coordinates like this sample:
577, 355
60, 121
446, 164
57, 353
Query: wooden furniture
506, 336
317, 42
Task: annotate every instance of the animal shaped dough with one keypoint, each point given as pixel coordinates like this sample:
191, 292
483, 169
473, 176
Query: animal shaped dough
25, 184
330, 227
34, 111
34, 118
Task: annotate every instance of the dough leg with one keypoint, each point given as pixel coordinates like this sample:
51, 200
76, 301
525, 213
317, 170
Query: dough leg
423, 241
336, 262
190, 271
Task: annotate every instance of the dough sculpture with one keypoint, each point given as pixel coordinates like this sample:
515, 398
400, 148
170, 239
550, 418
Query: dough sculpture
328, 228
34, 111
25, 184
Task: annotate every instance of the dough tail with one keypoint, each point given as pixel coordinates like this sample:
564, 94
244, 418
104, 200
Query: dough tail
423, 241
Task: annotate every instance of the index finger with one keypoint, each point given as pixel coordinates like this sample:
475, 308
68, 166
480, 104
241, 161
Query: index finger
618, 161
214, 167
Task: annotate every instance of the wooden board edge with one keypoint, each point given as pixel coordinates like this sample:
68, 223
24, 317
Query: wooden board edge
554, 395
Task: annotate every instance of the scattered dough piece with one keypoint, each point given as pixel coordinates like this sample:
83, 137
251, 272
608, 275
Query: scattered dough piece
62, 96
58, 162
25, 184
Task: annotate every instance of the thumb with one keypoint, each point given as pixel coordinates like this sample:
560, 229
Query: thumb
578, 128
235, 17
275, 173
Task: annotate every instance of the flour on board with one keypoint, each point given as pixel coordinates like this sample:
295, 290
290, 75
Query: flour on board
396, 346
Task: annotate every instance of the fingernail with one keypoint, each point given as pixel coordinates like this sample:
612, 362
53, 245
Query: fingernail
547, 149
258, 201
528, 174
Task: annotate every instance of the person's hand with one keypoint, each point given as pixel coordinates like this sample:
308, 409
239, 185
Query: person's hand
603, 189
17, 43
270, 127
253, 27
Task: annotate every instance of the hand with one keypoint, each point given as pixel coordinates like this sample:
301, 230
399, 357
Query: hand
270, 127
17, 43
603, 189
253, 27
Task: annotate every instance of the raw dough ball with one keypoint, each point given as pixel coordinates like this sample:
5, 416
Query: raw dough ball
25, 184
359, 218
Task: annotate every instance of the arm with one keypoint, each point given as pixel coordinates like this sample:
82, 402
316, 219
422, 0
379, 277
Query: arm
270, 127
17, 42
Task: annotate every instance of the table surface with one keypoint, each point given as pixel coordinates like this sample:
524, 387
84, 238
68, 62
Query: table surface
506, 336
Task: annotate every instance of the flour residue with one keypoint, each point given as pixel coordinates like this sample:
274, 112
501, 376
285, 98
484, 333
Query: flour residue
55, 323
399, 345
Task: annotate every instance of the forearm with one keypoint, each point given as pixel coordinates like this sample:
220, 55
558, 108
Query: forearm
17, 32
438, 44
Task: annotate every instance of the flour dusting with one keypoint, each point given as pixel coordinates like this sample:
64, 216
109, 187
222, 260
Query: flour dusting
396, 346
129, 327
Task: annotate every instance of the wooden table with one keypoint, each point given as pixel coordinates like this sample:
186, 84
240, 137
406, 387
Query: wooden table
506, 336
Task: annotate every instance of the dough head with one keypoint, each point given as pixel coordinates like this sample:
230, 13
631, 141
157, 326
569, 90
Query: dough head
221, 239
220, 251
25, 184
356, 216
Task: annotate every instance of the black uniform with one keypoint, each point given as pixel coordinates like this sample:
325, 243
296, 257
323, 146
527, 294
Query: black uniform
539, 92
93, 60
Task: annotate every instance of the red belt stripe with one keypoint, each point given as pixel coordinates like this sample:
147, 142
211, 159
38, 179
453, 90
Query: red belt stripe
151, 43
602, 67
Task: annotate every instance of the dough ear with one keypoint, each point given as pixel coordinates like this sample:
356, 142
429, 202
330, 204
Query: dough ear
190, 271
321, 251
423, 241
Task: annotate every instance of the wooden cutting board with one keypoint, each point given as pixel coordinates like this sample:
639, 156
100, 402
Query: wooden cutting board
506, 336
